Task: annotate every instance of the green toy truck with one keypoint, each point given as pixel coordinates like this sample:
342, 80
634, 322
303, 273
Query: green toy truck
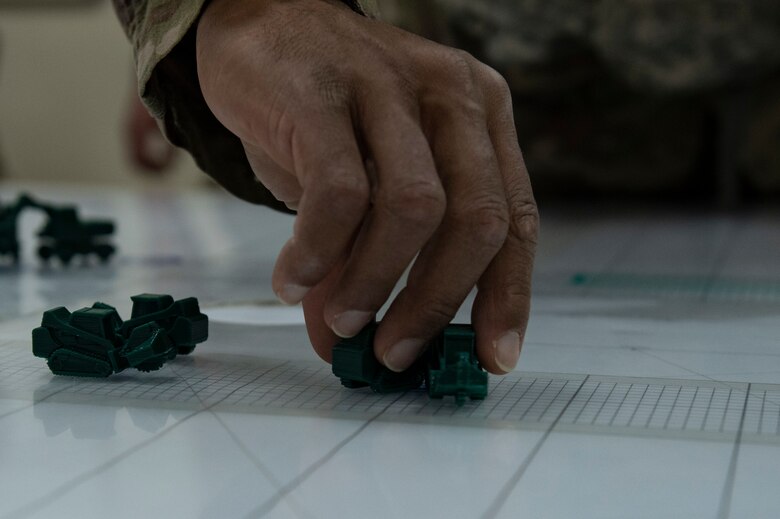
9, 243
64, 235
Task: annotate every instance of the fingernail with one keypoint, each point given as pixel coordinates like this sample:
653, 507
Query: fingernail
291, 294
402, 354
349, 323
507, 351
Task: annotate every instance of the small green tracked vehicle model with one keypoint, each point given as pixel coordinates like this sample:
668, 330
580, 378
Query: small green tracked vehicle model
95, 342
449, 367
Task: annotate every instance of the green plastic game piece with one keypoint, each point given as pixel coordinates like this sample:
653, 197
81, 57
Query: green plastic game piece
449, 367
95, 342
355, 364
182, 320
148, 348
9, 215
9, 243
64, 235
453, 369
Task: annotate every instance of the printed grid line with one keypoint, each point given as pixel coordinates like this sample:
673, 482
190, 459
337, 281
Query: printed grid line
615, 404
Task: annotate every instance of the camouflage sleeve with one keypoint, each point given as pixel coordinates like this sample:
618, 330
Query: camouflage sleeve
162, 33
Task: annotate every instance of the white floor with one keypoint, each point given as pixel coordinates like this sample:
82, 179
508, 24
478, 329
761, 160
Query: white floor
649, 385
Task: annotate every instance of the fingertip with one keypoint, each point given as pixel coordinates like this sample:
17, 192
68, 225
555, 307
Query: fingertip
500, 333
349, 323
292, 294
506, 351
285, 279
321, 336
401, 355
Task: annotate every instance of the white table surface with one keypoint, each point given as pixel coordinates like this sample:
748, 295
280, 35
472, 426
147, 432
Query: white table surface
649, 388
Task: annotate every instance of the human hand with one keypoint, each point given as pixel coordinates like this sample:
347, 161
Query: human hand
388, 145
147, 148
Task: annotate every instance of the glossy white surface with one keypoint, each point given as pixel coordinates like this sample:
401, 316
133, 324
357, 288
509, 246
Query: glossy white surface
648, 388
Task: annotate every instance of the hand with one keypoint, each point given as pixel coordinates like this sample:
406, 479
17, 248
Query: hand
388, 145
147, 148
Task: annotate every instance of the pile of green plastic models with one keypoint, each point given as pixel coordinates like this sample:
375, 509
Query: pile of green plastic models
448, 368
63, 236
95, 342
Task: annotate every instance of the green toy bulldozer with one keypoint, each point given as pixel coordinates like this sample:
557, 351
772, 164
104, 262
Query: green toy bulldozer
95, 342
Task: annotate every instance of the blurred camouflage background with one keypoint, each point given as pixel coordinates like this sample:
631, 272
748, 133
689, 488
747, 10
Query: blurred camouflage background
674, 97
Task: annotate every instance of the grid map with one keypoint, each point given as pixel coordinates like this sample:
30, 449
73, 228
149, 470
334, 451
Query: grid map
577, 403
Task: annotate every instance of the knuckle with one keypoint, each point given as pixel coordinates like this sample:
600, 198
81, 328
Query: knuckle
456, 67
417, 202
437, 312
453, 89
494, 82
333, 86
495, 88
470, 109
524, 220
487, 219
343, 188
335, 93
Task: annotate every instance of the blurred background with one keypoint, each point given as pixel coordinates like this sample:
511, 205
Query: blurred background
630, 99
67, 89
613, 100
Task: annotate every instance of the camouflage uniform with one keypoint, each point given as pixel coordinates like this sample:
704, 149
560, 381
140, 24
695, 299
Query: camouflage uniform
630, 95
627, 94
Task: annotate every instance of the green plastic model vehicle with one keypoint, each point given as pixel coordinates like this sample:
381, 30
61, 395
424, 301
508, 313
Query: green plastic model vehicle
95, 342
185, 324
355, 364
85, 343
64, 235
449, 367
453, 368
9, 243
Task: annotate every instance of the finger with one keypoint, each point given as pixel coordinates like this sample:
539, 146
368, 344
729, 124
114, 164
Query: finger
149, 149
472, 232
335, 198
408, 204
152, 153
321, 336
503, 302
283, 184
